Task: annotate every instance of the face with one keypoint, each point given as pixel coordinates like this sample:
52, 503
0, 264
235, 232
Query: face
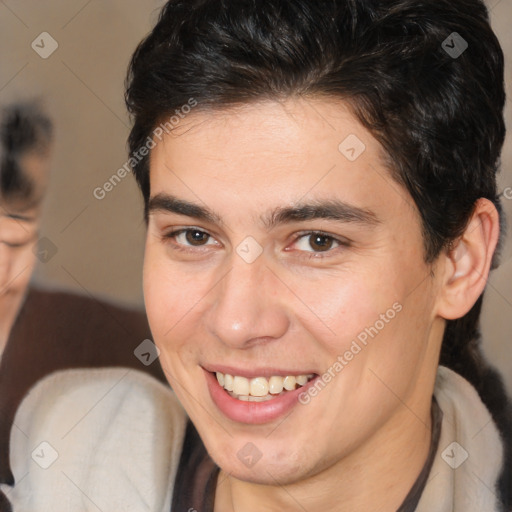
280, 252
19, 222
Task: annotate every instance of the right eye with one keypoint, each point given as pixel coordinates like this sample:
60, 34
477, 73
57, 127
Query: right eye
184, 239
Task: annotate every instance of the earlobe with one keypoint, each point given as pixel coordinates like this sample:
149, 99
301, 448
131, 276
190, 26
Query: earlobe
468, 261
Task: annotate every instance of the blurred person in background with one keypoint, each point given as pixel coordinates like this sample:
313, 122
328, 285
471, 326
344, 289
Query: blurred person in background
25, 151
43, 331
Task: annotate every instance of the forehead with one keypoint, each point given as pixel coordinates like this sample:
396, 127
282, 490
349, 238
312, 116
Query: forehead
274, 152
273, 125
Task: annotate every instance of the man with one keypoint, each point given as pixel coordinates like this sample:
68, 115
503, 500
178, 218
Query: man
320, 191
43, 331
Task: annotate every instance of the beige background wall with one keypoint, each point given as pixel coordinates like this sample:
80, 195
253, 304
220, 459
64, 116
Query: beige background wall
100, 242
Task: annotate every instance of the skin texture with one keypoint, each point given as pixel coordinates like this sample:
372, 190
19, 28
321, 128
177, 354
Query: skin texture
19, 223
361, 442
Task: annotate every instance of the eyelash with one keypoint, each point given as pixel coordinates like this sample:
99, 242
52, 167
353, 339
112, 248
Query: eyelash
308, 254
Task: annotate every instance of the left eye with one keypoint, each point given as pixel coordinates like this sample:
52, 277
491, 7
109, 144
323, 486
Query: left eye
319, 242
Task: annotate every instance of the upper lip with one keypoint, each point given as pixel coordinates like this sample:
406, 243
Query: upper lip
254, 372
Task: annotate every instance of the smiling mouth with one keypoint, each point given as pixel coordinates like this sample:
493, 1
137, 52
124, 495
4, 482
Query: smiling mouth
261, 389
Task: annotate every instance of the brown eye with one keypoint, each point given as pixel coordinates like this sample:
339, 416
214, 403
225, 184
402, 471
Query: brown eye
317, 244
188, 238
320, 242
196, 237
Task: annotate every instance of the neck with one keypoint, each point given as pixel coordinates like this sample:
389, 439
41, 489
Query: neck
376, 476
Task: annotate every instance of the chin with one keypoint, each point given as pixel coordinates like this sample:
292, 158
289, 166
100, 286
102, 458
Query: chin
261, 462
264, 473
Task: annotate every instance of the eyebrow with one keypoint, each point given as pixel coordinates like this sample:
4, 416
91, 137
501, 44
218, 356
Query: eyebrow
330, 209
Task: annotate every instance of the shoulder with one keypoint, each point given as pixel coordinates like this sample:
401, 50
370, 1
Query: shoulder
112, 436
470, 454
77, 313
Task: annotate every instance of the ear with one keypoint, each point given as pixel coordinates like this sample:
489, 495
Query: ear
468, 261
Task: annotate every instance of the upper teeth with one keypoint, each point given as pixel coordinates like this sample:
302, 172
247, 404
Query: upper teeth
260, 386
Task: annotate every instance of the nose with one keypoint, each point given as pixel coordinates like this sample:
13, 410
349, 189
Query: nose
248, 306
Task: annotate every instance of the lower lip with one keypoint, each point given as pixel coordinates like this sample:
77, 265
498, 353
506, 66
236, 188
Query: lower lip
255, 413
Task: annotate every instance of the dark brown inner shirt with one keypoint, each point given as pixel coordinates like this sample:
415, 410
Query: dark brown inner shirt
196, 480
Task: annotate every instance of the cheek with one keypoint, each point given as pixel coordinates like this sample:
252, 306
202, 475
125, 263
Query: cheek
17, 269
171, 294
376, 318
339, 307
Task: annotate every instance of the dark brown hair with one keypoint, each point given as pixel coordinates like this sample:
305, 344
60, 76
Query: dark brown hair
24, 128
